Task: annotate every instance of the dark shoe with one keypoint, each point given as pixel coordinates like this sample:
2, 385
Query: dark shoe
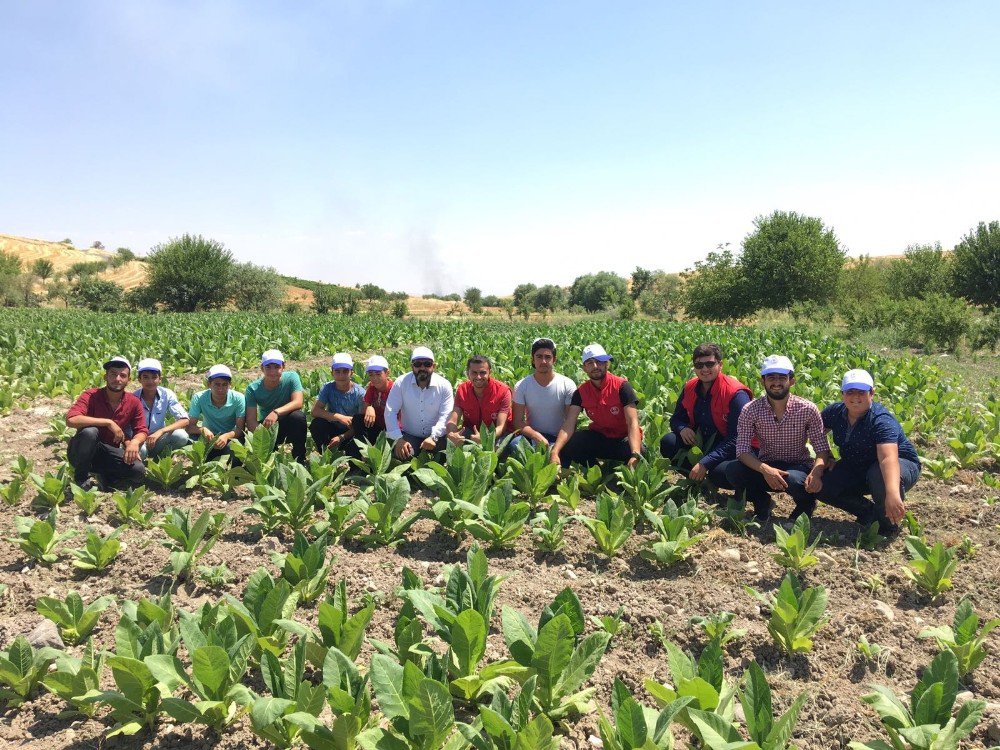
101, 483
805, 508
889, 530
762, 517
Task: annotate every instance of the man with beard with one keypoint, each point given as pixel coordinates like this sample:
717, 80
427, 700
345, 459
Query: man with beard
612, 406
781, 424
417, 408
102, 417
480, 400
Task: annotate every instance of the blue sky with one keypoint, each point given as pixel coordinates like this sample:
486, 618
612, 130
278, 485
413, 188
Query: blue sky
431, 146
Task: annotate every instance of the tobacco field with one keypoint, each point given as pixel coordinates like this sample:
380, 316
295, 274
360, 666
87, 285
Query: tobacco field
480, 601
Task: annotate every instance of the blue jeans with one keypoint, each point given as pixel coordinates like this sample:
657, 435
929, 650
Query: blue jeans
751, 485
167, 443
521, 442
671, 444
845, 487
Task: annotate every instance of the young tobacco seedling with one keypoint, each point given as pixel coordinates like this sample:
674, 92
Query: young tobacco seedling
766, 731
12, 492
718, 627
338, 628
927, 721
964, 638
128, 507
98, 551
561, 659
385, 512
22, 669
75, 622
645, 485
290, 693
930, 567
216, 576
591, 479
86, 500
673, 538
869, 539
635, 726
265, 603
568, 491
73, 678
306, 567
496, 519
610, 624
289, 500
796, 552
872, 653
613, 525
376, 459
796, 614
702, 681
466, 680
137, 703
188, 541
734, 516
51, 489
37, 537
508, 725
532, 473
549, 529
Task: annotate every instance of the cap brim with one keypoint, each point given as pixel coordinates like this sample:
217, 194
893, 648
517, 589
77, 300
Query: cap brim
141, 370
376, 368
601, 358
272, 362
776, 371
856, 387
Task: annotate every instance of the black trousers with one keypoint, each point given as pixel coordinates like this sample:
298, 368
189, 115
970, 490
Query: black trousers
292, 429
323, 431
87, 454
587, 446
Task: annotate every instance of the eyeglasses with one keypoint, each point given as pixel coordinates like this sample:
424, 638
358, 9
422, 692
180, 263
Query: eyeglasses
705, 365
422, 363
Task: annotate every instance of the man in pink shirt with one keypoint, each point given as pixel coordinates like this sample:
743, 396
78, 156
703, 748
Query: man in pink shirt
103, 419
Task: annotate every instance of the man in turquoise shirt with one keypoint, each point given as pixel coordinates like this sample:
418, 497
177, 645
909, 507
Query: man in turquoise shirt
222, 411
277, 398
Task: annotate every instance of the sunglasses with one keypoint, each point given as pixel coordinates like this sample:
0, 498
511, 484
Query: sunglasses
422, 363
705, 365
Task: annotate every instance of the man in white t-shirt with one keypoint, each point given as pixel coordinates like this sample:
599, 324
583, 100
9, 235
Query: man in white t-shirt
541, 399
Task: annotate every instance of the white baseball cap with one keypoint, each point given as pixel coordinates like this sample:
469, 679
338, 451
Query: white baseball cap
776, 364
857, 380
342, 359
377, 362
596, 351
422, 352
272, 357
118, 361
149, 365
219, 371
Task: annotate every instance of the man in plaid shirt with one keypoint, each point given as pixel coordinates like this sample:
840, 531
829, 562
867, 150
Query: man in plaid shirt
782, 424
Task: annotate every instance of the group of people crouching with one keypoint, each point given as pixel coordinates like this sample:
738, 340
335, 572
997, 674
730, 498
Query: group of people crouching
754, 447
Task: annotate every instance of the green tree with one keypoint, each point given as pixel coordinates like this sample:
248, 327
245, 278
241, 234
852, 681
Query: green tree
790, 258
977, 265
372, 292
10, 265
491, 300
597, 291
42, 268
98, 295
549, 297
140, 299
474, 299
922, 271
256, 288
662, 296
326, 299
716, 289
863, 280
191, 273
641, 279
524, 296
122, 256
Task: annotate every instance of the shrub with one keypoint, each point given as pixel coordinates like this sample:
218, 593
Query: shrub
98, 295
256, 288
924, 270
400, 309
662, 296
987, 331
596, 291
715, 288
940, 321
42, 268
474, 299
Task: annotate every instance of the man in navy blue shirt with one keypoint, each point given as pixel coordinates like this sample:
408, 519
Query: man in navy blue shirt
875, 457
710, 404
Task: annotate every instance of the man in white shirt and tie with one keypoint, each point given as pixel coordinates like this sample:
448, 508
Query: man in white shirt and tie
417, 408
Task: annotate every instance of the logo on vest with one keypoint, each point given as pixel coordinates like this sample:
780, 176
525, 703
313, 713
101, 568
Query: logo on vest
615, 410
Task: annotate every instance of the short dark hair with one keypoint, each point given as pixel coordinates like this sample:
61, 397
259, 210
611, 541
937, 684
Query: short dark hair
543, 343
707, 350
479, 359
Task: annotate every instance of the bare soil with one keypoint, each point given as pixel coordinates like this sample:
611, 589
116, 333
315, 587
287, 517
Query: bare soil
833, 674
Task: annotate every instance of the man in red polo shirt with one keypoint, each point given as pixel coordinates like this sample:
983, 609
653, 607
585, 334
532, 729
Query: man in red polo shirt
110, 429
480, 400
612, 406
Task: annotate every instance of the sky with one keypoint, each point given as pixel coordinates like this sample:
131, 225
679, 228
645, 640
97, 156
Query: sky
433, 146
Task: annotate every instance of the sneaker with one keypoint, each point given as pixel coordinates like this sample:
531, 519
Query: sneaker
889, 530
762, 517
800, 510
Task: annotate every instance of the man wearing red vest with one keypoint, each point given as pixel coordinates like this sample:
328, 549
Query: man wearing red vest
710, 405
612, 406
480, 400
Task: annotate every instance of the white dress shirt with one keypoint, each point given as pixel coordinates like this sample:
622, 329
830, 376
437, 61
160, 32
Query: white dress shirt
422, 412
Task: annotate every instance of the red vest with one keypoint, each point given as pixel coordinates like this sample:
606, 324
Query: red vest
723, 390
476, 412
604, 407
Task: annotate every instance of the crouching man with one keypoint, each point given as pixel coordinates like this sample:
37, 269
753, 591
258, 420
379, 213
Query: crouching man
103, 419
157, 402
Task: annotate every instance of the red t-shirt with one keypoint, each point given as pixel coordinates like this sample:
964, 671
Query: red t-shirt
93, 402
376, 399
496, 400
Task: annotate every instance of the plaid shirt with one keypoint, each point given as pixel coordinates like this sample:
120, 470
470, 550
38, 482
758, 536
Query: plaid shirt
784, 440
